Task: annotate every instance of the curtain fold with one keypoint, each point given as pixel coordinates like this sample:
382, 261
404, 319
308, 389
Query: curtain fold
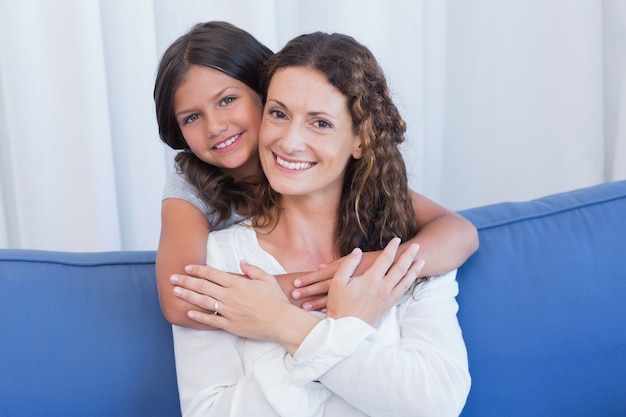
614, 27
503, 101
58, 127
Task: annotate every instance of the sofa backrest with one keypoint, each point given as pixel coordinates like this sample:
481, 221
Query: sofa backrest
543, 306
83, 335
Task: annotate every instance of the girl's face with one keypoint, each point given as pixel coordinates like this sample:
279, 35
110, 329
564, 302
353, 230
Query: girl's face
219, 118
306, 137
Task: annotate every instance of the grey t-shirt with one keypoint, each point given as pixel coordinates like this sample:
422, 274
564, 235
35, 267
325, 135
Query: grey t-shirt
177, 186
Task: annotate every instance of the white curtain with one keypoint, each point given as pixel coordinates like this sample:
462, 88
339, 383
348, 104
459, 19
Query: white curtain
505, 100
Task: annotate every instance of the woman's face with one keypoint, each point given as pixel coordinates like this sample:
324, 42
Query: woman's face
306, 138
219, 118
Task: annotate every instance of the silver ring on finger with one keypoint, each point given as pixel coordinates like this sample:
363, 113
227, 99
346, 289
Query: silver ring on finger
216, 307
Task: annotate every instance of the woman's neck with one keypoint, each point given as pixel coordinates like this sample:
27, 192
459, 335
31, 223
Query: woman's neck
303, 236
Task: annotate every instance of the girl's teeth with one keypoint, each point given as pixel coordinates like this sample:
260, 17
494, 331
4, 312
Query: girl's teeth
227, 142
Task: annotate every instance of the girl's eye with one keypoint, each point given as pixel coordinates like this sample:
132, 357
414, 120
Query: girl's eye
227, 100
191, 119
324, 124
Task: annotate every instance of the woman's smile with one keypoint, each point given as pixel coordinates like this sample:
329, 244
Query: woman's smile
293, 165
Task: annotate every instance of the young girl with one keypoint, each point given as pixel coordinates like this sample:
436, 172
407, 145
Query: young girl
208, 104
329, 148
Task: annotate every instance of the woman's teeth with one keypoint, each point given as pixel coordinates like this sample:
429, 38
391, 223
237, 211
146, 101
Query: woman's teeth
299, 166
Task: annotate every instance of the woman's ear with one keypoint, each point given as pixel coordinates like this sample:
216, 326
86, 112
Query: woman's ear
357, 153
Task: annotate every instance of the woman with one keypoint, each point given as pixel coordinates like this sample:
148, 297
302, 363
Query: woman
329, 149
208, 104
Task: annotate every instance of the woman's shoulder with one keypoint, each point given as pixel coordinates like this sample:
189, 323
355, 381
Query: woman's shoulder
239, 242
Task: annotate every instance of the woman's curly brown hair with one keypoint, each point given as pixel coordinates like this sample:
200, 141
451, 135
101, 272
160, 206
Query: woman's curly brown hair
375, 204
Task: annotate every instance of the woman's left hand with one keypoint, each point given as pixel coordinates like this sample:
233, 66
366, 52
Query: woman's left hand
254, 307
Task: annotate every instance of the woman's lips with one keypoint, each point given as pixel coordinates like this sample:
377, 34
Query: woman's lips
293, 165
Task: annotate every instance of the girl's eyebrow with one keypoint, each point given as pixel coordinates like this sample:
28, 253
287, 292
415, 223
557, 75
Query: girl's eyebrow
183, 113
216, 96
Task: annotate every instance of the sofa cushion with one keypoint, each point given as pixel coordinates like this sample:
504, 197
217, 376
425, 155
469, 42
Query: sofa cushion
543, 304
83, 335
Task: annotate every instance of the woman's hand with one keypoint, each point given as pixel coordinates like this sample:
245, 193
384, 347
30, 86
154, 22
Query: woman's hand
370, 295
253, 307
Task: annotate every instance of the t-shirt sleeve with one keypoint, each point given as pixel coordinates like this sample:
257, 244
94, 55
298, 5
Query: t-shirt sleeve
177, 186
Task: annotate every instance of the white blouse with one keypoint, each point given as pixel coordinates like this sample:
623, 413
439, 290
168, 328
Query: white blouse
414, 363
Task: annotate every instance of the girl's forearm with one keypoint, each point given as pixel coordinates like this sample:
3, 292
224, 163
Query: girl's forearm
445, 244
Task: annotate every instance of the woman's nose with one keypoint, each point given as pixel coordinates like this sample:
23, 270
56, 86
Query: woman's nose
293, 139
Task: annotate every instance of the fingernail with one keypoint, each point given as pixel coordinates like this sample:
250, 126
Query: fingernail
188, 268
307, 306
178, 291
297, 282
174, 279
295, 295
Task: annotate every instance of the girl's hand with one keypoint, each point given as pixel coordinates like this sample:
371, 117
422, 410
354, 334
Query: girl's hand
370, 295
313, 286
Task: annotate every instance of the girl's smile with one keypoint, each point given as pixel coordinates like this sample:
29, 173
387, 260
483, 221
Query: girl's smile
227, 144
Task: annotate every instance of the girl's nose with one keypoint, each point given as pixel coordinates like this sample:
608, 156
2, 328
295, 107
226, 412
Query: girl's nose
216, 125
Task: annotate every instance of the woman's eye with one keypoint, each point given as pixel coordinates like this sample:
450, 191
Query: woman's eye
323, 124
227, 100
277, 114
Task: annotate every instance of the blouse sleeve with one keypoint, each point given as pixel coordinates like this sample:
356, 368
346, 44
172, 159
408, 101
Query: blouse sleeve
422, 371
220, 374
214, 380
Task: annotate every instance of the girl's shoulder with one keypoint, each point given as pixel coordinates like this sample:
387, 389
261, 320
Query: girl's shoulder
444, 284
177, 186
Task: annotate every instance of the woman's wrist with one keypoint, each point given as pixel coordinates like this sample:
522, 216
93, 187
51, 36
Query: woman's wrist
293, 327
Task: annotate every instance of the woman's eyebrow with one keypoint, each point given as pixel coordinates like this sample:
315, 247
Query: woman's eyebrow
310, 113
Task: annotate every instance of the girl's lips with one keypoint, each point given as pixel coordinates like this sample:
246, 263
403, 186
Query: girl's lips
228, 142
293, 165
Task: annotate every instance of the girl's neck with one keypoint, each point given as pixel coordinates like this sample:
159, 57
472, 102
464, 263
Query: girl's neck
251, 168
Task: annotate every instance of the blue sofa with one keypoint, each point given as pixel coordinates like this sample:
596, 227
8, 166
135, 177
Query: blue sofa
542, 307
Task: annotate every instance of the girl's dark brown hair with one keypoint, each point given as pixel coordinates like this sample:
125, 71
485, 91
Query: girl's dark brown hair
375, 204
221, 46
